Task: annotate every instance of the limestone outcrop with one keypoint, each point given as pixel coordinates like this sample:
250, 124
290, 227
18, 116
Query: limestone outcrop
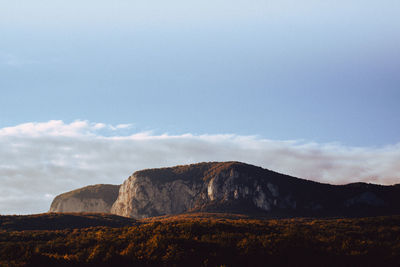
231, 187
243, 188
93, 198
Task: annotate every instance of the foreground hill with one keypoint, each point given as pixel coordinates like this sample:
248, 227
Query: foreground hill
234, 187
205, 239
60, 221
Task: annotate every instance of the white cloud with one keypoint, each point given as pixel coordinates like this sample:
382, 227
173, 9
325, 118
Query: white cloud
99, 126
120, 126
123, 126
41, 160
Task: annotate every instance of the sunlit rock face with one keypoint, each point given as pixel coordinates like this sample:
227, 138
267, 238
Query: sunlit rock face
140, 197
231, 187
80, 205
220, 187
94, 198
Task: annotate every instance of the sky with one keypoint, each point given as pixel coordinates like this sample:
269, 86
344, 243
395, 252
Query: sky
91, 91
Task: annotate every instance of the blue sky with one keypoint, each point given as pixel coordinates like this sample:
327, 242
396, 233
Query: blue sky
324, 72
93, 90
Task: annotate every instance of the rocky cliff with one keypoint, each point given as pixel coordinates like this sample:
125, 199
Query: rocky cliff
243, 188
232, 187
94, 198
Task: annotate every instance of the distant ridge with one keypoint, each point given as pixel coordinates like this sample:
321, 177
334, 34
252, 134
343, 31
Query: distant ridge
236, 187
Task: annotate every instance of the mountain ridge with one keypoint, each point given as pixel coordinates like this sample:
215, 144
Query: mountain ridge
236, 187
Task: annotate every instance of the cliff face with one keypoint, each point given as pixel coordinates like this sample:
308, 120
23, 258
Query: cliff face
242, 188
139, 197
230, 187
94, 198
220, 187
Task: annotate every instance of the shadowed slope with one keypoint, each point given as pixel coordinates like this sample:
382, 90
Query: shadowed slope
60, 221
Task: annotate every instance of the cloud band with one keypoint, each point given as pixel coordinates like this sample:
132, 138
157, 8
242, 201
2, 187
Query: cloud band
40, 160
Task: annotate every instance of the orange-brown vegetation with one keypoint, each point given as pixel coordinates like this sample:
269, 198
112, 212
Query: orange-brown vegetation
211, 240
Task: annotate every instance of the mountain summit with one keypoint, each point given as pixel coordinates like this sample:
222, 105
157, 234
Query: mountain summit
237, 187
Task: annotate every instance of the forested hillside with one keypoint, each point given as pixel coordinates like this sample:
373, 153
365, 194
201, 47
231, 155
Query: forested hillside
211, 240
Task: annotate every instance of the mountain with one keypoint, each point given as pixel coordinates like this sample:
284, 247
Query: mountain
93, 198
235, 187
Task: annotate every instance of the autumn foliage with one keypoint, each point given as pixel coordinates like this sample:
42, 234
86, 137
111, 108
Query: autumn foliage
211, 240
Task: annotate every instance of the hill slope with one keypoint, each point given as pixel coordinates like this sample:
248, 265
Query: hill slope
60, 221
211, 240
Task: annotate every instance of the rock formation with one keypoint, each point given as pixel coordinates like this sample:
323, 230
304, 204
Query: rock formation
243, 188
93, 198
235, 187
